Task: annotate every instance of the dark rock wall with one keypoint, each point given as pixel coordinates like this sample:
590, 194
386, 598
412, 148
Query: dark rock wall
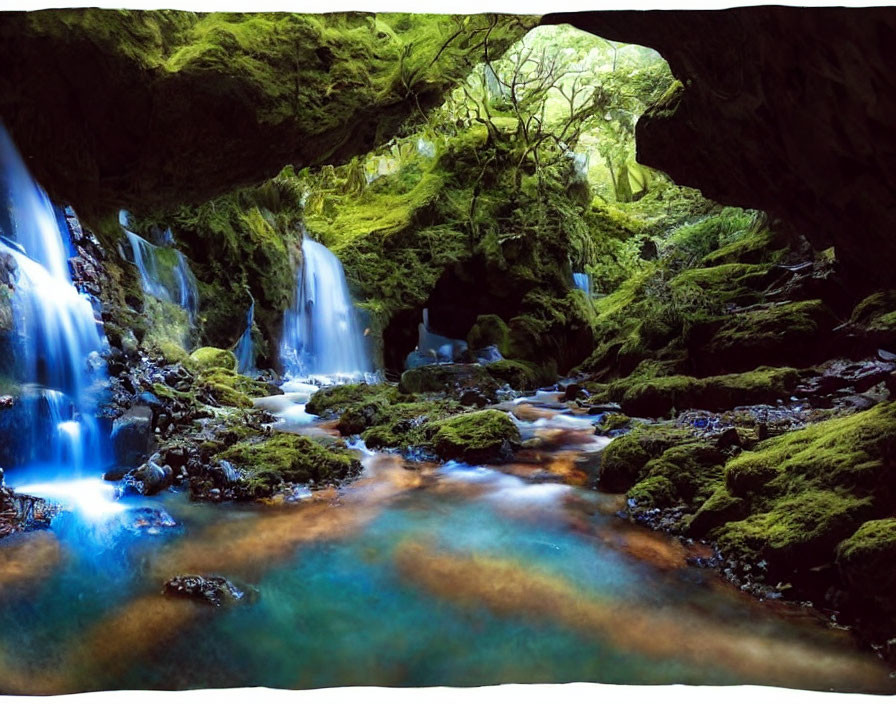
789, 110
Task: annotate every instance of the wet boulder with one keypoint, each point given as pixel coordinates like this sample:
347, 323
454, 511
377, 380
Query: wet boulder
132, 436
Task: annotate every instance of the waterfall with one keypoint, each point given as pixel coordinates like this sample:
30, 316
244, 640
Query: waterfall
582, 282
433, 348
245, 347
56, 341
164, 271
321, 334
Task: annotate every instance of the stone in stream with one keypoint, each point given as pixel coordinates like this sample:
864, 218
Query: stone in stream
148, 520
212, 590
132, 436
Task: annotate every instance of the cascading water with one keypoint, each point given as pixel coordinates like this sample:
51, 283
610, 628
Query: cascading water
582, 282
164, 271
56, 341
245, 347
321, 334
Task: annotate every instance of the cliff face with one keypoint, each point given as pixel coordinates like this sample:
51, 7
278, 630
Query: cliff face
153, 109
789, 110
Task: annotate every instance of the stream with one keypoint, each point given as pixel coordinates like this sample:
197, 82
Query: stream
416, 574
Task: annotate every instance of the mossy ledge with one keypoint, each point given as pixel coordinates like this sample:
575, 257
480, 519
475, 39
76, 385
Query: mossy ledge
267, 464
234, 96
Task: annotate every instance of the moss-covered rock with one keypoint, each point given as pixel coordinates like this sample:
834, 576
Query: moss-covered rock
800, 494
283, 458
792, 333
448, 378
481, 436
206, 358
404, 425
489, 330
875, 318
797, 531
623, 462
336, 399
521, 376
656, 397
867, 564
228, 388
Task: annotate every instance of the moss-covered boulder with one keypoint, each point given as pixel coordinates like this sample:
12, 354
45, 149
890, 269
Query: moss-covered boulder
520, 376
656, 397
623, 462
333, 400
206, 358
228, 388
479, 437
803, 492
267, 464
874, 318
234, 96
489, 330
797, 333
448, 378
867, 564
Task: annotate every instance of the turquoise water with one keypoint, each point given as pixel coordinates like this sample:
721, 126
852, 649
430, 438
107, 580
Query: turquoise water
414, 577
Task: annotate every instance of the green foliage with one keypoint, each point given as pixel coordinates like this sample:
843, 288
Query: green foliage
288, 458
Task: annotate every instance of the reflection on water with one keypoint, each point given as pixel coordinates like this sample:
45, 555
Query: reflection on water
417, 574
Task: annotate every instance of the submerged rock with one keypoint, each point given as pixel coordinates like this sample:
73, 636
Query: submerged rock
212, 590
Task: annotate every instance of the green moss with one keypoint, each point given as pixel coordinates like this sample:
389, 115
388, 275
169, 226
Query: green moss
171, 352
694, 469
623, 462
613, 421
867, 563
489, 330
289, 458
854, 453
447, 378
762, 246
480, 436
720, 508
652, 492
206, 358
656, 397
735, 283
876, 315
336, 399
800, 530
801, 493
403, 425
777, 334
521, 376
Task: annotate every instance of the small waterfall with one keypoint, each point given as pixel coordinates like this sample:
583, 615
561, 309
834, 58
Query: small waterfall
56, 341
582, 282
164, 271
433, 348
245, 347
321, 334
